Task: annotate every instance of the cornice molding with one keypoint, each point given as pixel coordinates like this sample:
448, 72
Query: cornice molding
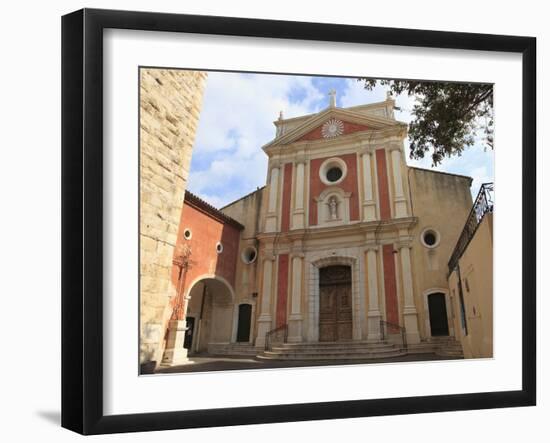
376, 228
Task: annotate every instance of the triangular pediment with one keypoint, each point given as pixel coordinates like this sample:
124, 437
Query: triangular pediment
342, 127
346, 122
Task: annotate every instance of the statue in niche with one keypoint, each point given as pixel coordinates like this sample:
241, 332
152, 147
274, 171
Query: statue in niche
333, 208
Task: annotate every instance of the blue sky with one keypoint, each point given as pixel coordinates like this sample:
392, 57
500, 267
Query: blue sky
237, 119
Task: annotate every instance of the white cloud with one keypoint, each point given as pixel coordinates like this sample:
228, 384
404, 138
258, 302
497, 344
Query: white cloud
355, 94
236, 120
480, 175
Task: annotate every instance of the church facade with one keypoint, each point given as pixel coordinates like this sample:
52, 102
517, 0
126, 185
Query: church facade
346, 247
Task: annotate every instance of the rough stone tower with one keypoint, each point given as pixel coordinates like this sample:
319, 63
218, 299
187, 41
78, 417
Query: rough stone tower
170, 105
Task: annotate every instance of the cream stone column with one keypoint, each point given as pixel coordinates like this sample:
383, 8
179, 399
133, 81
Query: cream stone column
399, 198
295, 318
409, 311
298, 214
271, 218
264, 319
369, 205
374, 315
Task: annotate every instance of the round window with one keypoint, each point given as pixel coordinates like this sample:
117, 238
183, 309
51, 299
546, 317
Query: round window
333, 171
430, 238
249, 255
219, 248
334, 174
187, 234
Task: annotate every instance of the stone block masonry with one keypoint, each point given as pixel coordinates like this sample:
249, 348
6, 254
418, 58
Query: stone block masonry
170, 106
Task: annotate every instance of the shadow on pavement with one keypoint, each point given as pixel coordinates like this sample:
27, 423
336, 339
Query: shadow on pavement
207, 363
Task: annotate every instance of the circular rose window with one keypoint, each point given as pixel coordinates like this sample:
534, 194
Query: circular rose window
332, 128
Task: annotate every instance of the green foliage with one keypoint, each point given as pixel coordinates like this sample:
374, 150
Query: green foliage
446, 116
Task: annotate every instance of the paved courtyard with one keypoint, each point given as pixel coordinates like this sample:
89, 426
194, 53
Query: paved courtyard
206, 363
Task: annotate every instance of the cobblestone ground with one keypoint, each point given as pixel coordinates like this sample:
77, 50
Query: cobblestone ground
206, 363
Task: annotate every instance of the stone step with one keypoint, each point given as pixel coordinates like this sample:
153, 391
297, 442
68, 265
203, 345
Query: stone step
451, 356
232, 349
331, 356
352, 350
452, 348
337, 343
450, 353
303, 346
452, 343
388, 350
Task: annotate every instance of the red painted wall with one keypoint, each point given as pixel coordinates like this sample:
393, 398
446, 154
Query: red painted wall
349, 184
383, 186
349, 128
206, 232
390, 286
282, 290
287, 190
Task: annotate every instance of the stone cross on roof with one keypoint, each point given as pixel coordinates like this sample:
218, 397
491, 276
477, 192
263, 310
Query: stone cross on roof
332, 95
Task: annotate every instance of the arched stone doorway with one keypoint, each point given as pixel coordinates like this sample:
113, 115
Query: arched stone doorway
313, 304
209, 315
335, 303
437, 309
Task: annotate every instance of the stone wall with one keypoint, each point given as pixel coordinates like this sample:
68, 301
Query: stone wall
247, 211
170, 105
476, 272
442, 203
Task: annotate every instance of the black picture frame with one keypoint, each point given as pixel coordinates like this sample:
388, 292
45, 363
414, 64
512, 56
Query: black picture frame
82, 215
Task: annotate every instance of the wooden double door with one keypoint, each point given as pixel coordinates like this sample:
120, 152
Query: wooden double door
335, 304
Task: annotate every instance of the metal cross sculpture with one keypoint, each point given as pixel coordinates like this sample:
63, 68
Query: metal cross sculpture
183, 262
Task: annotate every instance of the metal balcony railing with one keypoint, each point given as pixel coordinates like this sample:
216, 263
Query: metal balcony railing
483, 204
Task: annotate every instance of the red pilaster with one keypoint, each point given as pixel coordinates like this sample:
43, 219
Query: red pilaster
287, 187
392, 312
383, 187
